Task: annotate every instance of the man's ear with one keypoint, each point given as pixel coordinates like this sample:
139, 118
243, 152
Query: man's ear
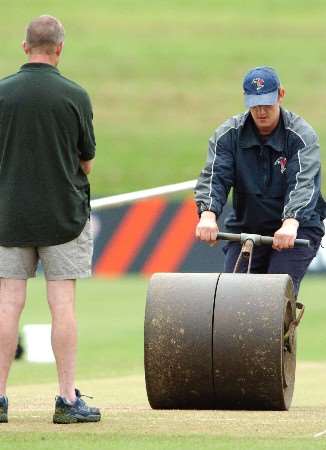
59, 49
25, 47
281, 93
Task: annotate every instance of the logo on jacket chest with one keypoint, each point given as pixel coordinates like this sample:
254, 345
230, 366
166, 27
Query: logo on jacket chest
281, 161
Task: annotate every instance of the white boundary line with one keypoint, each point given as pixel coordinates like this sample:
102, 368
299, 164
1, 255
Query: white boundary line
123, 199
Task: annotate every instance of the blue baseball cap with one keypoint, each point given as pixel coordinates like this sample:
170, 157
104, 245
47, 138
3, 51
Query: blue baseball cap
261, 86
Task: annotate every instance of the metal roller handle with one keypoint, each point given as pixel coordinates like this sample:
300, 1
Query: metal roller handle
289, 337
257, 239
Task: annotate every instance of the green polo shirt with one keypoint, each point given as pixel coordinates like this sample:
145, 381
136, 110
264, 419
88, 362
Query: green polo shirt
45, 130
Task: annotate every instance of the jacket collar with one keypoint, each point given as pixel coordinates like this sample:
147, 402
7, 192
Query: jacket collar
38, 66
249, 136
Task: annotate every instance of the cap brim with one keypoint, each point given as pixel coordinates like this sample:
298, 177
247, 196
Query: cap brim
261, 100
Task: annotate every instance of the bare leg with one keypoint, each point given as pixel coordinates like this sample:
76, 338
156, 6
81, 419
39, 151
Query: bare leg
12, 301
61, 298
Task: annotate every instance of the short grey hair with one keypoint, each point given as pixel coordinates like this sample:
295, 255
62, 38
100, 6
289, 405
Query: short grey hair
44, 32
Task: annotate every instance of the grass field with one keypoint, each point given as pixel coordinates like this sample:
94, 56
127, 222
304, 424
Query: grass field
110, 367
163, 74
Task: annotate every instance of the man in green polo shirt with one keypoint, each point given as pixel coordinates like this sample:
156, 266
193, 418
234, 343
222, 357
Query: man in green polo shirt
46, 147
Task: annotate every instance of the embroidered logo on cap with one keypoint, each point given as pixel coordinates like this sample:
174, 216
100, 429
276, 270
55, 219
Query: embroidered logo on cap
281, 161
259, 83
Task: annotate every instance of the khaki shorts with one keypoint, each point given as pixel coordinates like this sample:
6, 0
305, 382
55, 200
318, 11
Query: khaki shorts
66, 261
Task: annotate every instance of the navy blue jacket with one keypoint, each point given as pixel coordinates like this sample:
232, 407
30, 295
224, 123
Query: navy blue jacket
272, 180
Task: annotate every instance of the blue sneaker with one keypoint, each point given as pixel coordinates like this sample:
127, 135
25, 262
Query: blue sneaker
78, 411
3, 409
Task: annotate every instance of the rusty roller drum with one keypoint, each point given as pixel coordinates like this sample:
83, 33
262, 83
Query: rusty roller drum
252, 364
178, 340
216, 341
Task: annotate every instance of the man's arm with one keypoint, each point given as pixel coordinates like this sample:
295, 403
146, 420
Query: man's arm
86, 141
214, 183
303, 178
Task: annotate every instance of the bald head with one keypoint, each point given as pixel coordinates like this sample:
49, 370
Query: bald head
44, 35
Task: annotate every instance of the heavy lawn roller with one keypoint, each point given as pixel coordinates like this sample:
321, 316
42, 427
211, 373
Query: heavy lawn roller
221, 340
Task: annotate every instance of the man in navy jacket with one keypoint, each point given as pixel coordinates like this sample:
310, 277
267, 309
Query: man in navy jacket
270, 157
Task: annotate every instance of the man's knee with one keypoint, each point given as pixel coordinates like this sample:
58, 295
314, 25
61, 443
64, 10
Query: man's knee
61, 295
12, 293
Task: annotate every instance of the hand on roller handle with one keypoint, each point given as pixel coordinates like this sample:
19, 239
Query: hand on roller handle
207, 228
257, 239
285, 236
